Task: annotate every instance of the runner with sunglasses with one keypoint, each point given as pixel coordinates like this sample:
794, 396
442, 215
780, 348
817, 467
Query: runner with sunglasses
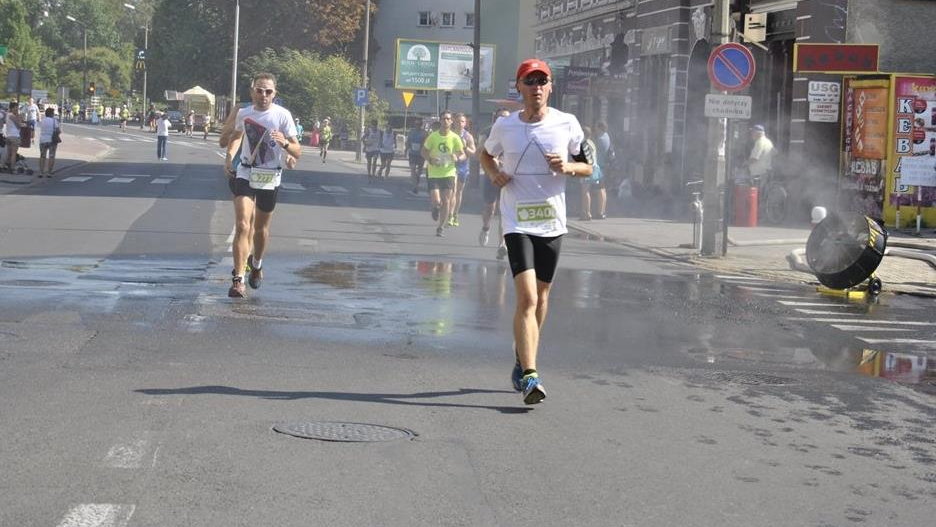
265, 133
538, 146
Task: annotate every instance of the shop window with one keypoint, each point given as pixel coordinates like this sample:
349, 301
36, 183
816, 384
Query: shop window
469, 19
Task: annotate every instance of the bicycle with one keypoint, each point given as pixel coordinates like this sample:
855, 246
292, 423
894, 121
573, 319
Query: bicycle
772, 198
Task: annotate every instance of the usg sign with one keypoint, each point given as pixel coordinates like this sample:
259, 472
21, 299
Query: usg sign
727, 106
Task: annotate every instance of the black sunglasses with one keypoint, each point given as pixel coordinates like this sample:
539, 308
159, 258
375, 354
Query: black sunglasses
261, 91
536, 81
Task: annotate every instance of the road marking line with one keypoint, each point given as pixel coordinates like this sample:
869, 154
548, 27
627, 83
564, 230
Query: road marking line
811, 304
292, 186
95, 174
161, 181
126, 455
76, 179
121, 180
334, 190
98, 515
739, 277
230, 238
137, 175
817, 312
767, 289
897, 341
848, 327
777, 296
376, 192
852, 321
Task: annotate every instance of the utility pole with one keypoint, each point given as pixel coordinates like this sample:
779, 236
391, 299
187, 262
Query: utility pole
714, 178
145, 48
476, 86
234, 63
360, 149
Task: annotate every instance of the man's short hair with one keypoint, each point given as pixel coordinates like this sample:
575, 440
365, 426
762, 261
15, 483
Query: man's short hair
443, 112
263, 76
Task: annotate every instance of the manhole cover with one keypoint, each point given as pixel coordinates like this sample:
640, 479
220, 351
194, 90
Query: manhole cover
346, 432
744, 377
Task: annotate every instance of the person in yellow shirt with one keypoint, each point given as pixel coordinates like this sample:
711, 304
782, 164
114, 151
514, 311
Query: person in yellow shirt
442, 150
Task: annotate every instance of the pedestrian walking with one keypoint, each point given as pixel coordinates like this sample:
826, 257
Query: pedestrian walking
124, 116
162, 136
490, 193
265, 134
442, 149
539, 146
387, 149
190, 123
462, 168
414, 141
49, 137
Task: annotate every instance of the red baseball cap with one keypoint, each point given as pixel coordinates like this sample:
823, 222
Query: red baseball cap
530, 65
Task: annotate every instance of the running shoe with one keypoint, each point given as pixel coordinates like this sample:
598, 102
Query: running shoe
501, 252
439, 232
532, 389
516, 375
453, 221
435, 213
483, 238
255, 276
237, 290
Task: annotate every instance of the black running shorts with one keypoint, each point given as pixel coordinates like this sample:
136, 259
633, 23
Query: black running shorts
442, 183
533, 252
266, 199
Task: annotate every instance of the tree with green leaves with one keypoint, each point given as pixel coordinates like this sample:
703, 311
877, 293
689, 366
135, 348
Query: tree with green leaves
313, 86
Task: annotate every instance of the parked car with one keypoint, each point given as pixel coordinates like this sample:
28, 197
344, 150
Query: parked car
176, 120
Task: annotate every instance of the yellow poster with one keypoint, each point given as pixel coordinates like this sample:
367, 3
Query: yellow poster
869, 123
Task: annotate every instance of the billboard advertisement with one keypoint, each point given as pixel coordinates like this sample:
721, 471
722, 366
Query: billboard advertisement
430, 65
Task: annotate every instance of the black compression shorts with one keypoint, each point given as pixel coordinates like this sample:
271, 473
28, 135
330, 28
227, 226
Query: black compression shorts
266, 199
533, 252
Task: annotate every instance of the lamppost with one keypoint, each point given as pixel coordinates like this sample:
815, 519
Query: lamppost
84, 31
234, 62
145, 47
360, 149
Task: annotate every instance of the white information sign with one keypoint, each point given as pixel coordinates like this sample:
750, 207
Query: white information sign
918, 170
820, 91
727, 106
823, 112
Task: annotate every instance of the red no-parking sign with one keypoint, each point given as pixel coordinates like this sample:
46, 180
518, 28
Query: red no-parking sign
731, 67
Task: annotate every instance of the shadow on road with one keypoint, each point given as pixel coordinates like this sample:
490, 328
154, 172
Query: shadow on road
384, 398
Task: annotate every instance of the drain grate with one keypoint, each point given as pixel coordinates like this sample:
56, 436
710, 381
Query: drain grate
344, 432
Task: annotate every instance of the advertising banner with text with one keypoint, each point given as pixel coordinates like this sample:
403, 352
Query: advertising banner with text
429, 65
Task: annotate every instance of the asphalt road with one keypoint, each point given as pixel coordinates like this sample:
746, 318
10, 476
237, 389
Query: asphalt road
137, 394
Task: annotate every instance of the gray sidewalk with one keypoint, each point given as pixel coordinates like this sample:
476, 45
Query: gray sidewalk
760, 251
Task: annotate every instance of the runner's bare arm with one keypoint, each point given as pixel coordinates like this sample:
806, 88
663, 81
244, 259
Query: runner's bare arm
232, 147
492, 169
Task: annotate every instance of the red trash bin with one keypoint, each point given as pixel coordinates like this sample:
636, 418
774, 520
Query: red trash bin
745, 206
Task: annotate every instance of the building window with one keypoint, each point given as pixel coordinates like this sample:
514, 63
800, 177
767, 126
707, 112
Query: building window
469, 19
448, 19
425, 18
571, 5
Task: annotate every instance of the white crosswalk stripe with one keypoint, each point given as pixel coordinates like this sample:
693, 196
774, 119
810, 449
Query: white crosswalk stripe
121, 180
76, 179
376, 192
331, 189
292, 186
98, 515
161, 181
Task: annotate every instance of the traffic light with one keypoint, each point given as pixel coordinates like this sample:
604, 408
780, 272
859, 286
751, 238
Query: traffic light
91, 88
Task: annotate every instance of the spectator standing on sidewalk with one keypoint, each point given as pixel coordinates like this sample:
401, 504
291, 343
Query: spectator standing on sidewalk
540, 145
462, 168
47, 142
387, 148
14, 123
162, 136
761, 157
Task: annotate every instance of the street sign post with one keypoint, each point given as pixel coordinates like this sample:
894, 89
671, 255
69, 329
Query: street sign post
727, 106
731, 67
360, 97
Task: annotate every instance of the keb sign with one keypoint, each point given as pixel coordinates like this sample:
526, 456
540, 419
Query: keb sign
428, 65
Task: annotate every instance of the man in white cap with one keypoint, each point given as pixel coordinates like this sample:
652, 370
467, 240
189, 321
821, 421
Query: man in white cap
761, 156
538, 146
